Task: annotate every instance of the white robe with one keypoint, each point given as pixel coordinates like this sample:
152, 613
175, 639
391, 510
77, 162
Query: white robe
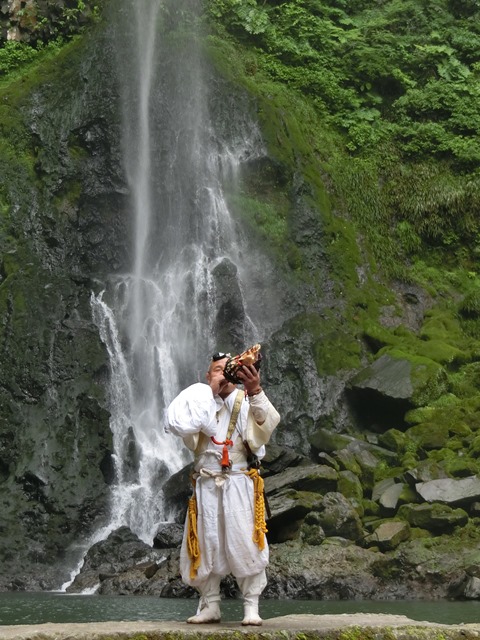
225, 518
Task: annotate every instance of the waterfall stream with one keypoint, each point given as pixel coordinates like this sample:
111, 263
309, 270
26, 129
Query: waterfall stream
158, 322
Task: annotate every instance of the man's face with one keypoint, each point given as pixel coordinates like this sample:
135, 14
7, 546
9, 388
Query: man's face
216, 379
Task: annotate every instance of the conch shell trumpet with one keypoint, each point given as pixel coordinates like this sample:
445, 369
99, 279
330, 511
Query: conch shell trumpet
248, 357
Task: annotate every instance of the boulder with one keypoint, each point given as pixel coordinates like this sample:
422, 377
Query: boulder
176, 493
311, 529
352, 454
339, 518
388, 376
385, 390
471, 589
169, 535
327, 459
277, 459
347, 461
329, 441
288, 509
425, 471
429, 435
350, 486
433, 517
450, 490
368, 463
381, 487
120, 552
317, 477
389, 535
390, 497
329, 571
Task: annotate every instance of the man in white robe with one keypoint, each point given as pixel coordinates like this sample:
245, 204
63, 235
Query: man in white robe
225, 503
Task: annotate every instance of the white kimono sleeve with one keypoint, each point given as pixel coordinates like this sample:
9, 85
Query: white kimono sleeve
261, 422
191, 412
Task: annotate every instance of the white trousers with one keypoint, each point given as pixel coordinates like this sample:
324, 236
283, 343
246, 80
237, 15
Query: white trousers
251, 587
225, 522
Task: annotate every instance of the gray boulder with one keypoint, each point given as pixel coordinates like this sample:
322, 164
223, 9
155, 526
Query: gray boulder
169, 535
381, 487
176, 491
472, 588
389, 535
390, 497
317, 477
327, 571
120, 552
450, 490
278, 459
288, 509
393, 383
425, 471
339, 518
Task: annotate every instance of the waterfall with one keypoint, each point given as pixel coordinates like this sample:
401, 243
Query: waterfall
158, 321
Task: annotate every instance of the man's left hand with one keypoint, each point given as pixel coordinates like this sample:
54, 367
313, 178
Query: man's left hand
250, 378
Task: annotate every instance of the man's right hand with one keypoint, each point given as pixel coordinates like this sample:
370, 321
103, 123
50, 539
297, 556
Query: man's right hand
215, 378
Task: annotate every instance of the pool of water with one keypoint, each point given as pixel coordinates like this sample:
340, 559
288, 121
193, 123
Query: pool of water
37, 608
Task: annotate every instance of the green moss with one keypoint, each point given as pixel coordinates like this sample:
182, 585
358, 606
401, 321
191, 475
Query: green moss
465, 382
264, 217
394, 440
452, 424
333, 349
474, 449
469, 307
461, 467
385, 470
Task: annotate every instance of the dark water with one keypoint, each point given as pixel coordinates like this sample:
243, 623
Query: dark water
36, 608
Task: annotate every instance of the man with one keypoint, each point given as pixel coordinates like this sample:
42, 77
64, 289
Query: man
225, 528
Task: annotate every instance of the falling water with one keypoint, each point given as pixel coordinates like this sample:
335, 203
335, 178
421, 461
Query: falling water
158, 321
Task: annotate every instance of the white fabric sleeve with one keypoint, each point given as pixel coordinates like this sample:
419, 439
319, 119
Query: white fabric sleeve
262, 420
259, 406
192, 411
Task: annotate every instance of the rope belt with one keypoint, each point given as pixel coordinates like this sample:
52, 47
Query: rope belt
259, 524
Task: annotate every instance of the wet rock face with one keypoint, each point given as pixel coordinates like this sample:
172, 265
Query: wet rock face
55, 440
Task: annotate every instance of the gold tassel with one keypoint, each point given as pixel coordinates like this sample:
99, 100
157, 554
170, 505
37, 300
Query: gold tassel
193, 547
259, 524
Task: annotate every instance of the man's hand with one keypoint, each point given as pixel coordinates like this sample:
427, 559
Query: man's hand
250, 379
217, 381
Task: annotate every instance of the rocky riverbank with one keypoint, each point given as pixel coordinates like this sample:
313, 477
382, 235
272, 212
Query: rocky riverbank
328, 627
411, 537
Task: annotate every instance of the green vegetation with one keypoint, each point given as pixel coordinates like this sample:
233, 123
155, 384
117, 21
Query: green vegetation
41, 30
371, 115
398, 69
399, 82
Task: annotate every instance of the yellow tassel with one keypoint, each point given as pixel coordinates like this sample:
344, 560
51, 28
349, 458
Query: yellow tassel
259, 524
193, 547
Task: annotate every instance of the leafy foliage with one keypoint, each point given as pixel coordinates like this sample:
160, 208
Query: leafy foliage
398, 80
399, 69
42, 29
